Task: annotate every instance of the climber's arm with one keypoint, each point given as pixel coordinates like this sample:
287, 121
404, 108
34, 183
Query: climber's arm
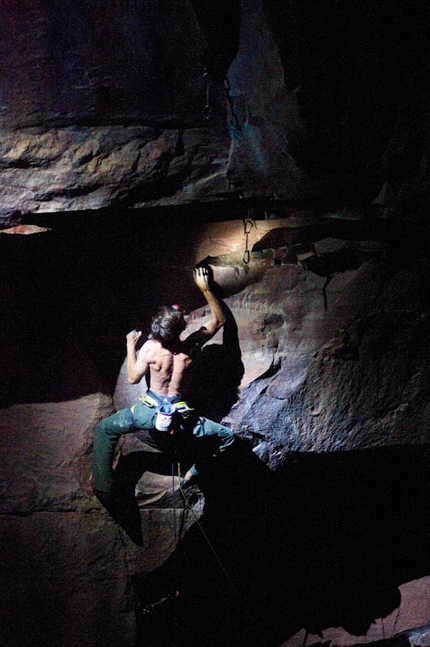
204, 280
137, 366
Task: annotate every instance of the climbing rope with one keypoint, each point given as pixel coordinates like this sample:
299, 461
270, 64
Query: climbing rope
234, 121
208, 541
175, 533
206, 112
154, 605
147, 609
247, 613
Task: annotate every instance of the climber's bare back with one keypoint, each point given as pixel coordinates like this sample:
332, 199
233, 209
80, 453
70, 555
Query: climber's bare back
167, 369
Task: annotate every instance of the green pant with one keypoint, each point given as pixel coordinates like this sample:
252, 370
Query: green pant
193, 434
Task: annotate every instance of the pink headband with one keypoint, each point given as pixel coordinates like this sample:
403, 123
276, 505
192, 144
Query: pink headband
176, 307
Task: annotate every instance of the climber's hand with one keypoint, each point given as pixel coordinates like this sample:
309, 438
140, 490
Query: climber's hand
133, 337
185, 482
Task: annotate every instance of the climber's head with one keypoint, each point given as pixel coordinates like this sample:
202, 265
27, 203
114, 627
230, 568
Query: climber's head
167, 325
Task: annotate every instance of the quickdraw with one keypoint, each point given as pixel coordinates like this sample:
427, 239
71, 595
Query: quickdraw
247, 226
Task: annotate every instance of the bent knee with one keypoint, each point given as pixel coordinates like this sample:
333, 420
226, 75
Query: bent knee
118, 423
227, 437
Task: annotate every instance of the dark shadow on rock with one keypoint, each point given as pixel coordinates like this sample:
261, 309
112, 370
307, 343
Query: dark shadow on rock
122, 504
217, 374
323, 542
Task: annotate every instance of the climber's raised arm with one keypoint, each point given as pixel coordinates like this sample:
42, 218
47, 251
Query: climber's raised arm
204, 281
137, 366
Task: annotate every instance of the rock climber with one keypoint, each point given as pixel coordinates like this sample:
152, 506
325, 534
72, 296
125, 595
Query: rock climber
171, 424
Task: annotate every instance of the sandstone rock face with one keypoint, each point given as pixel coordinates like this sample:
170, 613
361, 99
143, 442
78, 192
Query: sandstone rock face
328, 366
163, 104
89, 64
413, 610
76, 168
52, 534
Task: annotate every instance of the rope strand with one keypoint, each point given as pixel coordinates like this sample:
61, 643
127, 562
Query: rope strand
245, 610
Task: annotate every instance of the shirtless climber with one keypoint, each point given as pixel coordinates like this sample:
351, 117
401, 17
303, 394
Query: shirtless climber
168, 360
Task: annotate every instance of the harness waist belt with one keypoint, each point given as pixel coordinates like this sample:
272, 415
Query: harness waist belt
180, 405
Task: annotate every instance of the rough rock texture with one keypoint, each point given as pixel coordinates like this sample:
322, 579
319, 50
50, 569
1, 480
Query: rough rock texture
317, 104
75, 168
68, 570
413, 610
82, 63
367, 352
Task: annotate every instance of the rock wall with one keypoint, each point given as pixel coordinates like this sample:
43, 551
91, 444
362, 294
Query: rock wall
163, 103
327, 541
322, 371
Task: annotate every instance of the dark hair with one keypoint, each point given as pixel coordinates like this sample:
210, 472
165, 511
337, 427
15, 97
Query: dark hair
167, 325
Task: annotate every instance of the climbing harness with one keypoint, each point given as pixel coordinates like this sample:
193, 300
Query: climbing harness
166, 409
180, 405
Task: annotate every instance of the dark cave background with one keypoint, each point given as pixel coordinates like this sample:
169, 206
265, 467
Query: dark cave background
326, 541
